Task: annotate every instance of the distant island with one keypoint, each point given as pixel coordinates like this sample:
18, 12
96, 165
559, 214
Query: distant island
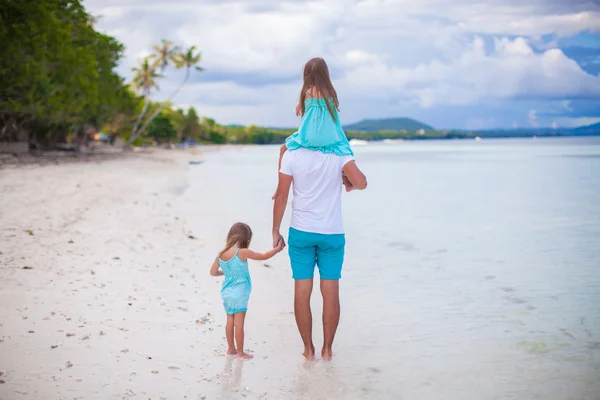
410, 129
388, 124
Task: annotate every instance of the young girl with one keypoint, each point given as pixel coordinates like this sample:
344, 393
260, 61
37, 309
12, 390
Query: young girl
235, 292
320, 128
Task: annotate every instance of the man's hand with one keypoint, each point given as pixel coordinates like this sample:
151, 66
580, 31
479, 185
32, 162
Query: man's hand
278, 241
349, 186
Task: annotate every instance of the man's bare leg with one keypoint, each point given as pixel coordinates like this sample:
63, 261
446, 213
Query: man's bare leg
302, 291
330, 289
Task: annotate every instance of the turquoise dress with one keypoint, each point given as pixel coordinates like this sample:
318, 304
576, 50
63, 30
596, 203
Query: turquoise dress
237, 286
318, 131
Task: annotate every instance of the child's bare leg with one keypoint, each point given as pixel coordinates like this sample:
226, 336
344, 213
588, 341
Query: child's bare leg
238, 320
229, 334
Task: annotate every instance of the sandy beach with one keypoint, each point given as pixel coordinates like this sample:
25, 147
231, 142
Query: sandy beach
100, 283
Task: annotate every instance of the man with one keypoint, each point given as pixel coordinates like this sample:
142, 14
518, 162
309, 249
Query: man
316, 235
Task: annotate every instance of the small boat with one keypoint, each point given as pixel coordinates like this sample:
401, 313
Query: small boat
477, 138
358, 142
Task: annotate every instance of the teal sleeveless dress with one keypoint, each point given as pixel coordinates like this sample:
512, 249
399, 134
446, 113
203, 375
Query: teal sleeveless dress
318, 131
237, 285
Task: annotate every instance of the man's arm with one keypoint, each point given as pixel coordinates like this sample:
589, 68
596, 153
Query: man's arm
279, 205
354, 176
282, 150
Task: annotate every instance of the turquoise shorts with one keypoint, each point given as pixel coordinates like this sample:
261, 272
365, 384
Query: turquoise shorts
308, 249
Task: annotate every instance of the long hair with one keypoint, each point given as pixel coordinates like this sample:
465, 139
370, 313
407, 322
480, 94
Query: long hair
317, 80
240, 234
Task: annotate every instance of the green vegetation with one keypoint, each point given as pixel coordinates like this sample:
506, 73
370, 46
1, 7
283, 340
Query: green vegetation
56, 72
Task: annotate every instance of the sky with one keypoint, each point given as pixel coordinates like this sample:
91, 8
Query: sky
453, 64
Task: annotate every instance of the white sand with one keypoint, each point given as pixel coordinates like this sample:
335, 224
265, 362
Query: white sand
100, 288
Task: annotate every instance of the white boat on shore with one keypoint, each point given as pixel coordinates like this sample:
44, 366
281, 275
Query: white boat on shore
358, 142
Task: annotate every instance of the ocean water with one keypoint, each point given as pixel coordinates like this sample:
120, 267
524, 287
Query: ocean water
472, 272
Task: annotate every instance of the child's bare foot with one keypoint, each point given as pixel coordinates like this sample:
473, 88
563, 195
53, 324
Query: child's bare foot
232, 351
309, 353
245, 356
326, 354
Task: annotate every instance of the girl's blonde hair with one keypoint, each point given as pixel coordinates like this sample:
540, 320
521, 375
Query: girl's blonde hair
316, 78
240, 234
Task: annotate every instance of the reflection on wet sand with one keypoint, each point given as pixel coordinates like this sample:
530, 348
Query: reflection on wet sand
317, 380
231, 377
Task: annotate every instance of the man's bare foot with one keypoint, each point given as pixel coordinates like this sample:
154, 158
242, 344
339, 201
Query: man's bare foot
245, 356
327, 354
309, 354
231, 351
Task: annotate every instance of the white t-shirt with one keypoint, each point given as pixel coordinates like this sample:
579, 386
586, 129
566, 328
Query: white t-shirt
317, 190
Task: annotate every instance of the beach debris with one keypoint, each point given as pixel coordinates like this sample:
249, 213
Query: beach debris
29, 231
69, 334
154, 371
204, 320
53, 346
93, 272
267, 265
129, 304
24, 317
125, 351
191, 237
86, 337
68, 364
2, 381
123, 329
102, 333
375, 370
71, 242
27, 267
149, 358
116, 258
174, 367
31, 332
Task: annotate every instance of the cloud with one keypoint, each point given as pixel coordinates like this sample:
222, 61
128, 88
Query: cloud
400, 57
511, 71
532, 118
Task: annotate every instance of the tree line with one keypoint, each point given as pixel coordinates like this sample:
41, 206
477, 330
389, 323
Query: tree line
58, 85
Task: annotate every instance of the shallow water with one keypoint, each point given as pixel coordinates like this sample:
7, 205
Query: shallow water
472, 272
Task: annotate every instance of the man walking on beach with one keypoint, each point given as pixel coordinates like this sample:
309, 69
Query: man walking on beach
316, 235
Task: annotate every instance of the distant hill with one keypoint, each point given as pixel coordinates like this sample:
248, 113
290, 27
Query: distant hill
388, 124
589, 128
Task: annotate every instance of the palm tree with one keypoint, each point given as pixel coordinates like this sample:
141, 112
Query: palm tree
164, 53
144, 80
189, 60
